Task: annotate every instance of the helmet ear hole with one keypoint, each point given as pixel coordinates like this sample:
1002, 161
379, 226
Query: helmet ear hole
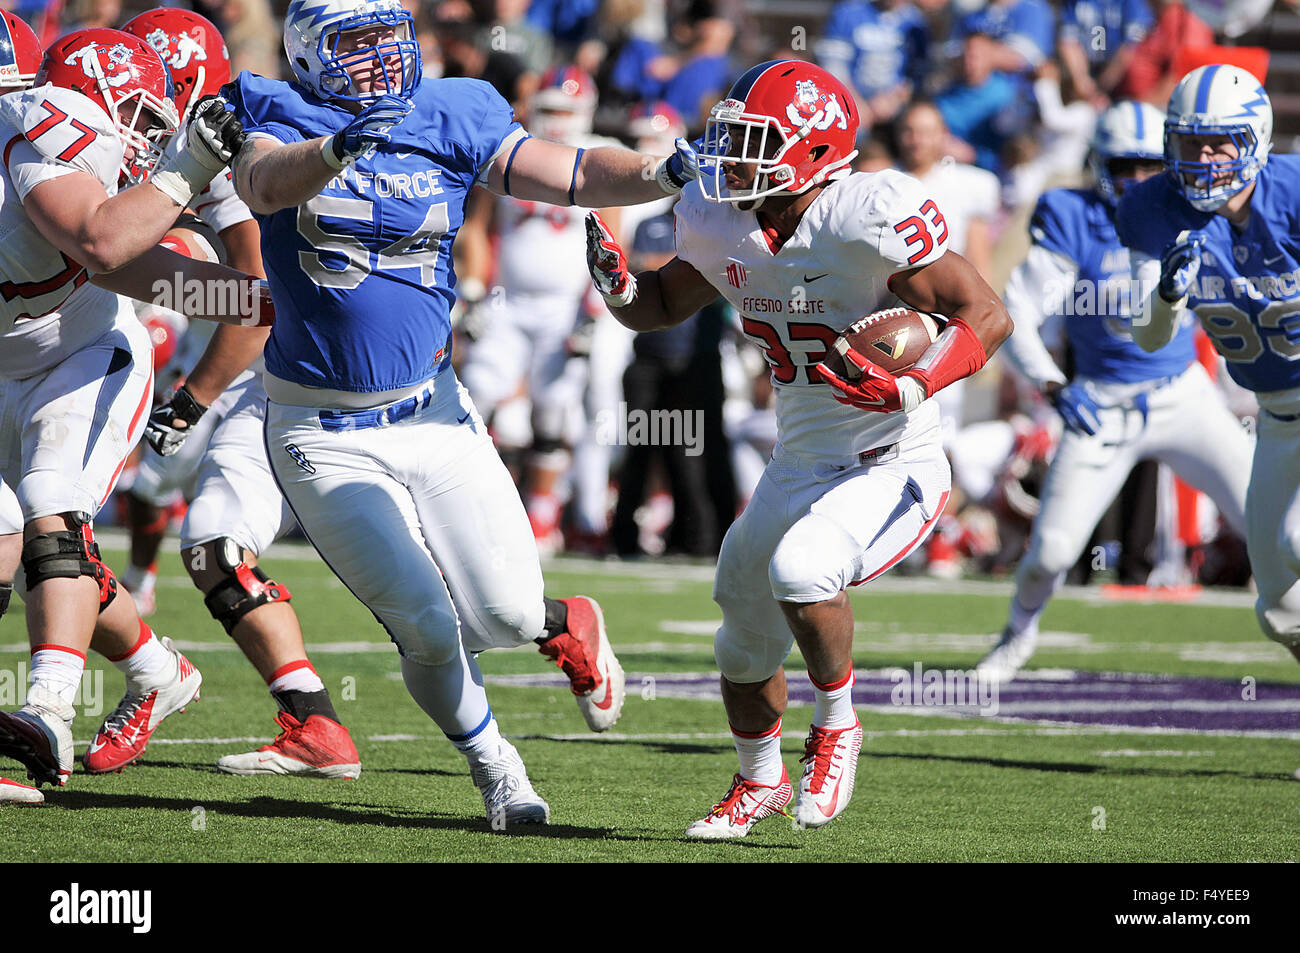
816, 152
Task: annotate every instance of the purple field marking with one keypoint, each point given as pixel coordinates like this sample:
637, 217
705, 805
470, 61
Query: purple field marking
1082, 698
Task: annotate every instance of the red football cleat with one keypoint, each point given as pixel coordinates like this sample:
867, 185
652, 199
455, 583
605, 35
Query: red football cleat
585, 655
318, 747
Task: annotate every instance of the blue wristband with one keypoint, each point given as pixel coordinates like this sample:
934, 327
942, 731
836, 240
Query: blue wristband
573, 182
511, 161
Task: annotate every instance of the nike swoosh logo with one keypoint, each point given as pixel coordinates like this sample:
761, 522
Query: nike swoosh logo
609, 695
463, 419
95, 747
809, 281
835, 798
1274, 261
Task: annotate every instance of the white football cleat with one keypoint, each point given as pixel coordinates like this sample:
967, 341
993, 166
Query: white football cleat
1009, 655
124, 735
742, 807
11, 792
40, 736
584, 653
508, 795
830, 765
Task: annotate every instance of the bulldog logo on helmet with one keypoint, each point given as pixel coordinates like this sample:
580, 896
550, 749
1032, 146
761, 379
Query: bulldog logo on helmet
812, 107
177, 49
110, 64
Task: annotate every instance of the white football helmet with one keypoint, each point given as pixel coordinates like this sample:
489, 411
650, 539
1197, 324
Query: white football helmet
1127, 130
1218, 100
311, 33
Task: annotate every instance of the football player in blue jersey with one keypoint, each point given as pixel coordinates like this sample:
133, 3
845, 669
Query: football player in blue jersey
1220, 234
1123, 404
358, 174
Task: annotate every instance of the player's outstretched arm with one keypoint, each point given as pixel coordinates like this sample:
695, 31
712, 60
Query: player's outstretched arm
270, 175
541, 171
197, 289
648, 301
665, 297
76, 214
232, 348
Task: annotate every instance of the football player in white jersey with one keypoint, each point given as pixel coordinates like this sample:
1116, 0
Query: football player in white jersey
1123, 405
528, 320
75, 364
803, 247
215, 433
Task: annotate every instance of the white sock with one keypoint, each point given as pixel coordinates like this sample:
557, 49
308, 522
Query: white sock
147, 657
296, 676
57, 669
482, 744
834, 707
760, 754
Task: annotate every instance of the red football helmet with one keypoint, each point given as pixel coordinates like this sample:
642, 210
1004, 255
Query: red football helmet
562, 108
793, 120
20, 53
655, 127
191, 47
128, 79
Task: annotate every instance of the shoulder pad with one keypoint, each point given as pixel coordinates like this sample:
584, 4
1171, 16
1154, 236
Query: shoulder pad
66, 128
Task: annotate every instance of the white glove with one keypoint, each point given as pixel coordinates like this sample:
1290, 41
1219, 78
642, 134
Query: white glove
212, 138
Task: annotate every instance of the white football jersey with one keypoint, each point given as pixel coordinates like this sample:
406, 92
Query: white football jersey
543, 249
48, 309
794, 301
218, 205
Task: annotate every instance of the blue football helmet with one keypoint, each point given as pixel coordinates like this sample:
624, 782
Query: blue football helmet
1127, 130
1218, 100
311, 42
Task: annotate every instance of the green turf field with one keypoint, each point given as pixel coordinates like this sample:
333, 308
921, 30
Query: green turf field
932, 786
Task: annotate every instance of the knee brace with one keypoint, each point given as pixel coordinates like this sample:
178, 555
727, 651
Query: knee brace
69, 554
243, 589
6, 593
745, 656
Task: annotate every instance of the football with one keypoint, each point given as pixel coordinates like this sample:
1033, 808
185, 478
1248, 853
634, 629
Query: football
893, 339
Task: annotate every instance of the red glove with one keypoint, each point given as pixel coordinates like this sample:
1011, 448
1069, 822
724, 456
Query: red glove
877, 390
607, 263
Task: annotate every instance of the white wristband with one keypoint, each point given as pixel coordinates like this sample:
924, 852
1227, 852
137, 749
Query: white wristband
331, 160
624, 297
911, 393
181, 176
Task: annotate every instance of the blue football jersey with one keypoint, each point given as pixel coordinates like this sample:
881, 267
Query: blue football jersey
1079, 224
1247, 294
877, 49
361, 274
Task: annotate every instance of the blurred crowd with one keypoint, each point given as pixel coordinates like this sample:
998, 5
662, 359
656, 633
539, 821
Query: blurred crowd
989, 101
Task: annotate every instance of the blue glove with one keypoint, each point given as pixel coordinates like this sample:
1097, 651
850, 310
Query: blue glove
368, 129
1078, 409
680, 168
1179, 266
